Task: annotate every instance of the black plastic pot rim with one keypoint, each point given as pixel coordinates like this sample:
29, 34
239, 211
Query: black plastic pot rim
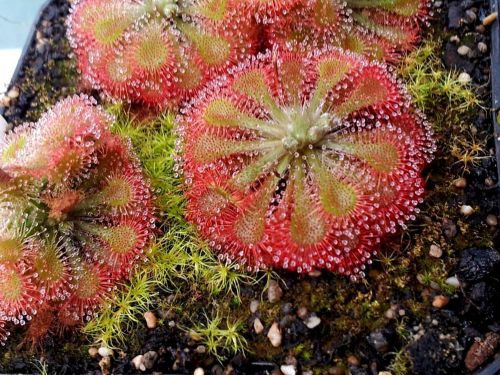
495, 77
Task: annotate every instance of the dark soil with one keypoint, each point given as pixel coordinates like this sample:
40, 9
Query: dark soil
355, 335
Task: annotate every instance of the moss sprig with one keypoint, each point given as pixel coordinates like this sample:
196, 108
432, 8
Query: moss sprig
180, 259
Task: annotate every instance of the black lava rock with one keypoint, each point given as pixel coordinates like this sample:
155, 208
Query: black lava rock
455, 14
378, 341
485, 297
430, 355
477, 263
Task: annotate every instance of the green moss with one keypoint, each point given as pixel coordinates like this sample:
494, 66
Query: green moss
179, 262
220, 336
436, 91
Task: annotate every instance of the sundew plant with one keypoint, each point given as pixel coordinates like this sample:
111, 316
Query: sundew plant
77, 216
160, 52
296, 148
303, 161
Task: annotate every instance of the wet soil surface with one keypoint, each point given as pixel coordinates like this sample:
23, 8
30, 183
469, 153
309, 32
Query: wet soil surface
395, 320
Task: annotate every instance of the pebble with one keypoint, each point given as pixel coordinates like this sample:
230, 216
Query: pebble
151, 319
492, 220
460, 183
4, 101
105, 365
199, 371
13, 93
470, 16
464, 78
466, 210
313, 321
41, 46
385, 373
274, 335
435, 251
455, 39
150, 359
482, 47
254, 306
453, 281
488, 181
200, 349
316, 273
93, 352
454, 16
105, 352
463, 50
258, 326
390, 314
440, 301
288, 369
302, 312
138, 362
353, 360
274, 293
477, 263
217, 370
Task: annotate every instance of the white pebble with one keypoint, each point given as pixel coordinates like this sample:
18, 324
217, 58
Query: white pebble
199, 371
463, 50
390, 314
482, 47
302, 312
492, 220
435, 251
274, 292
464, 78
138, 363
254, 306
466, 210
453, 281
105, 352
313, 321
13, 93
93, 352
258, 326
274, 335
460, 183
288, 369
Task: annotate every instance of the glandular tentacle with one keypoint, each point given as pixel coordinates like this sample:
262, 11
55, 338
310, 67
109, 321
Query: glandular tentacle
345, 171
